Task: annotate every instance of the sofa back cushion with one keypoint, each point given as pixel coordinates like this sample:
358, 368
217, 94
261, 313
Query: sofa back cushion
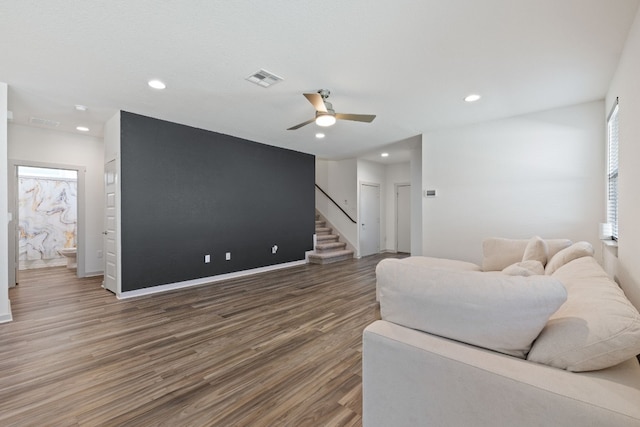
575, 251
495, 311
597, 327
499, 253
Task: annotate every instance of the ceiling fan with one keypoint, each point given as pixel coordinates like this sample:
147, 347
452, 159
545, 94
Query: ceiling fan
325, 114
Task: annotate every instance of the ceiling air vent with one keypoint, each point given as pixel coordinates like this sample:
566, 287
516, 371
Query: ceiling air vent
264, 78
44, 122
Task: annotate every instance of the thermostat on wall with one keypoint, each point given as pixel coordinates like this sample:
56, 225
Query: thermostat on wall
430, 193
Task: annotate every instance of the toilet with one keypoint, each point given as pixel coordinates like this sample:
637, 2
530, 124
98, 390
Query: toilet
70, 254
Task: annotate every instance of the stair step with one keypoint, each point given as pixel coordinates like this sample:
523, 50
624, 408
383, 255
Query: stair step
330, 257
323, 230
321, 223
326, 238
331, 246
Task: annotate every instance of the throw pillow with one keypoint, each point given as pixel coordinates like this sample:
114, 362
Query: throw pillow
595, 329
536, 250
577, 250
499, 312
525, 268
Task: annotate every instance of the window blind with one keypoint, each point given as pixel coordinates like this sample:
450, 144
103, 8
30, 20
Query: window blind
612, 172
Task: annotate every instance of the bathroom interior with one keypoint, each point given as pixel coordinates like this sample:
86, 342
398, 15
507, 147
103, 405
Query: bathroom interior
48, 217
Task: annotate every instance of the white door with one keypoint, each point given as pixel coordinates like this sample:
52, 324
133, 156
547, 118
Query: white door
369, 219
110, 224
403, 218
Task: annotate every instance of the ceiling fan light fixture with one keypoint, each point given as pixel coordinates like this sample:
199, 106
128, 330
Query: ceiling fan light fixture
325, 120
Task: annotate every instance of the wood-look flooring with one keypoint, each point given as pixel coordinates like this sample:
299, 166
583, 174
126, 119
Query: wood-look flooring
281, 348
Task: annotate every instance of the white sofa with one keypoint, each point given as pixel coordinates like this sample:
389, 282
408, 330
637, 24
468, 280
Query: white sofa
461, 346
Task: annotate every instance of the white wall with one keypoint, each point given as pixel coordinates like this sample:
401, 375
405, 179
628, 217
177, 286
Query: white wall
32, 144
5, 310
399, 173
537, 174
339, 179
626, 86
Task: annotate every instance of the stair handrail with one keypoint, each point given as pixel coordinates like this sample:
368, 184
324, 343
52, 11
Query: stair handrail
335, 203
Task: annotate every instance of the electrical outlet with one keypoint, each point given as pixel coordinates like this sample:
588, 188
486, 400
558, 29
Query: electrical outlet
228, 256
274, 249
207, 259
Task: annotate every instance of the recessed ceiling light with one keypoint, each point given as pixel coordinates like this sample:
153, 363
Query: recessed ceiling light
384, 155
157, 84
81, 107
319, 135
82, 128
472, 98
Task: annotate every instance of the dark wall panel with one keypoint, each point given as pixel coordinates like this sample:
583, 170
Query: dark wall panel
188, 192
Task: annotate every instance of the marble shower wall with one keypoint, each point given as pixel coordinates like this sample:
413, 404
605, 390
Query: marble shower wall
48, 220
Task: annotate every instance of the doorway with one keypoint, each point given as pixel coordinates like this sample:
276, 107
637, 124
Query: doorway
46, 216
369, 229
403, 218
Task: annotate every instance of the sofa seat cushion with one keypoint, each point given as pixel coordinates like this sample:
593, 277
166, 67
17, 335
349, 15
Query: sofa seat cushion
524, 268
499, 253
596, 328
495, 311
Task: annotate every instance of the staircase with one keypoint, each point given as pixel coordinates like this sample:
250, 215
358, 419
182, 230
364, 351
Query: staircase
328, 247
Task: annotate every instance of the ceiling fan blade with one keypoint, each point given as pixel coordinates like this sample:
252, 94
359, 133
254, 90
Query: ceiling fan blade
302, 124
316, 100
356, 117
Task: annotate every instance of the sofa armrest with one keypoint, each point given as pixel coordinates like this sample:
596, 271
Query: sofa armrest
413, 378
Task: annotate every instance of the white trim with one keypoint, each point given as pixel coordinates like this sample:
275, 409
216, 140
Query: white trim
93, 273
80, 202
6, 318
206, 280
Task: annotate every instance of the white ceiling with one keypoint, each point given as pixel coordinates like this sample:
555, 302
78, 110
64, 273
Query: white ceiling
410, 62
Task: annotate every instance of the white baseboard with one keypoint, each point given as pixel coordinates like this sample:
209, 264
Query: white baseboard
94, 273
205, 280
5, 318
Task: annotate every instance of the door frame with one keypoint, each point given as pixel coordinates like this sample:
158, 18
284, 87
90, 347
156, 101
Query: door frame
15, 220
371, 184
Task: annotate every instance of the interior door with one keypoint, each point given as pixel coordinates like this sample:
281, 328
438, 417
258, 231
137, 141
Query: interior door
111, 231
403, 218
369, 219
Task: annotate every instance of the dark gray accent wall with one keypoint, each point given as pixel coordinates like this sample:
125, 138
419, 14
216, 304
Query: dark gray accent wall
187, 192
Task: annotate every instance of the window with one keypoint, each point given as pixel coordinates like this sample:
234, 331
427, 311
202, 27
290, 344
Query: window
612, 171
